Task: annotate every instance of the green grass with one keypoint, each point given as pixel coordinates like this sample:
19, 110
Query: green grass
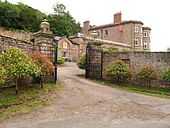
27, 100
158, 92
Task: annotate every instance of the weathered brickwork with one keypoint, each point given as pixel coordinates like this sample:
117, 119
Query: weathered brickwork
42, 41
20, 35
8, 42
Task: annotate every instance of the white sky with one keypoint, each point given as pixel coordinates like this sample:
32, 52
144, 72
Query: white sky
154, 13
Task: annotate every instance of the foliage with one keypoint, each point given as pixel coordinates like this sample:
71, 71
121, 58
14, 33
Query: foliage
18, 64
82, 62
43, 62
166, 75
118, 71
20, 16
62, 23
23, 17
147, 73
60, 60
2, 75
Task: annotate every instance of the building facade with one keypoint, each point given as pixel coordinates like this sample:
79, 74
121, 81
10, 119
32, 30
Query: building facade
68, 49
130, 32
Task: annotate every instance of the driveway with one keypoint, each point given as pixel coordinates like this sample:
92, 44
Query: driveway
86, 104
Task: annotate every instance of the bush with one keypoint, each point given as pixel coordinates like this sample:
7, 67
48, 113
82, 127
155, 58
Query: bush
60, 60
118, 71
43, 62
147, 74
166, 75
2, 75
18, 64
82, 62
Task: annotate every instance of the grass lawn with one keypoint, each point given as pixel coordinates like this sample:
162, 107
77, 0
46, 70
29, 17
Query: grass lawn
158, 92
27, 100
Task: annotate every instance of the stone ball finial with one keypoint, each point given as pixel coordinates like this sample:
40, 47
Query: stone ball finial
45, 26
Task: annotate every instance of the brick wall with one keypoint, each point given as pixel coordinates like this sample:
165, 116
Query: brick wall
26, 36
8, 42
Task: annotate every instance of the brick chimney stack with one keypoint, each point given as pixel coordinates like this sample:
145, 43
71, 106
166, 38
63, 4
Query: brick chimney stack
118, 18
86, 27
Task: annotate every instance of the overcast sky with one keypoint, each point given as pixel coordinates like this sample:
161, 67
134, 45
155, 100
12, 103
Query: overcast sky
154, 13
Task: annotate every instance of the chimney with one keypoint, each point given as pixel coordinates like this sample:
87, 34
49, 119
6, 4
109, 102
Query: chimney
86, 27
118, 18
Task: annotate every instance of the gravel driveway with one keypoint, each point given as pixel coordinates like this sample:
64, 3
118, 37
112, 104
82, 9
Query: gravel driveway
85, 104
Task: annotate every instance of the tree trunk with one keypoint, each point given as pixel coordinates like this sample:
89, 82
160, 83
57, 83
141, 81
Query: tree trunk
16, 86
41, 81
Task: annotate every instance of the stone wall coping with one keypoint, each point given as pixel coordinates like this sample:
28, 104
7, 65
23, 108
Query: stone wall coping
136, 52
27, 42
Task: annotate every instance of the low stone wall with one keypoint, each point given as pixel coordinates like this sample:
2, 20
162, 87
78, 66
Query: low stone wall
98, 61
160, 61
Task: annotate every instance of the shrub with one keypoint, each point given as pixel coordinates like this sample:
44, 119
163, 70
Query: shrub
166, 75
147, 74
82, 62
18, 64
43, 62
60, 60
118, 71
2, 75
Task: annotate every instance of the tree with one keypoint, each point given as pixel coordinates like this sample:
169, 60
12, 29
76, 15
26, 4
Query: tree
60, 9
118, 71
82, 62
147, 73
62, 23
18, 64
20, 16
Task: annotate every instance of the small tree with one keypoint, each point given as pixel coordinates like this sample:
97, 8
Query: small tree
118, 71
18, 64
166, 75
147, 74
82, 62
44, 63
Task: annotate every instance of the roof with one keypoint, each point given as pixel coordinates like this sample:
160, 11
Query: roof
108, 42
113, 25
146, 28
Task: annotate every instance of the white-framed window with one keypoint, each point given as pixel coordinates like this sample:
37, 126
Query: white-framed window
65, 45
136, 41
137, 29
145, 45
145, 34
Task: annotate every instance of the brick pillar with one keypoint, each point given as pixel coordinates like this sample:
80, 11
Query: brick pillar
94, 61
